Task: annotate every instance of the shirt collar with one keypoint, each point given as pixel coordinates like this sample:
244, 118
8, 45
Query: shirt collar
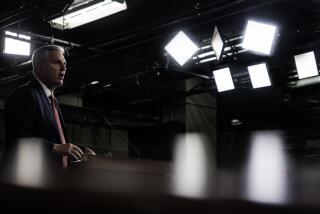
47, 91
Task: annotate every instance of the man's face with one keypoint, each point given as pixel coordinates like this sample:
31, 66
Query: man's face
52, 71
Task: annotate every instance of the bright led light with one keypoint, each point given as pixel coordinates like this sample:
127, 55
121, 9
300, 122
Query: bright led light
24, 37
259, 37
259, 75
94, 82
267, 167
191, 166
217, 43
29, 163
11, 33
206, 54
223, 79
181, 48
17, 47
21, 36
108, 85
88, 14
207, 60
306, 65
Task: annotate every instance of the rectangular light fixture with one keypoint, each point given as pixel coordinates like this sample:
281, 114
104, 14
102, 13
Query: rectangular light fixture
217, 43
19, 46
259, 37
181, 48
75, 17
259, 75
223, 79
306, 65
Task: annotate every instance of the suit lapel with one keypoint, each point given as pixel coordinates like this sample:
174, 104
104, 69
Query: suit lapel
46, 105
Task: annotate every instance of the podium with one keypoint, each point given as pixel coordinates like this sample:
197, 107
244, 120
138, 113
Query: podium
119, 185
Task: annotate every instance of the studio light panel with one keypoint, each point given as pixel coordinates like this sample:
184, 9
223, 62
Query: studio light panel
74, 18
306, 65
259, 37
259, 75
181, 48
223, 79
16, 46
217, 43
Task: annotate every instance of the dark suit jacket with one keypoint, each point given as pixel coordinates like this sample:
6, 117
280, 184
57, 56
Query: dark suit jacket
28, 114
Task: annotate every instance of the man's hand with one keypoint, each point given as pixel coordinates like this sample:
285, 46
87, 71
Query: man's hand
68, 149
87, 153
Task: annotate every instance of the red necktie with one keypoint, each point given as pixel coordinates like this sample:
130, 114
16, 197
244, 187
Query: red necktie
57, 119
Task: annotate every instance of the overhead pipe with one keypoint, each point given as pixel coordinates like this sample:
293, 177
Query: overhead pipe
304, 5
15, 21
202, 76
11, 78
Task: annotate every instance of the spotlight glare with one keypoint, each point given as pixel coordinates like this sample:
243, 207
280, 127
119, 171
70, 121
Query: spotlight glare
306, 65
259, 37
94, 83
259, 75
223, 79
181, 48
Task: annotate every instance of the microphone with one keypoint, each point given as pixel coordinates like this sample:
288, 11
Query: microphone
102, 149
121, 136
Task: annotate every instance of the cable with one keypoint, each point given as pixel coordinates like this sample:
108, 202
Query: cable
97, 139
121, 136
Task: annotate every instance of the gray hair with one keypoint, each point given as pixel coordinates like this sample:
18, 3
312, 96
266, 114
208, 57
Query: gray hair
40, 55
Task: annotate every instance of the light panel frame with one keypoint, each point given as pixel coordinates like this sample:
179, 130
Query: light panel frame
259, 37
217, 43
306, 65
223, 79
181, 48
259, 75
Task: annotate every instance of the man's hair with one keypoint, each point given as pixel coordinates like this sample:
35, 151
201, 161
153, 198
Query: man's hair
40, 55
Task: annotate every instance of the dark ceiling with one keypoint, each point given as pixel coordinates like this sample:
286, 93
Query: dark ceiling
127, 49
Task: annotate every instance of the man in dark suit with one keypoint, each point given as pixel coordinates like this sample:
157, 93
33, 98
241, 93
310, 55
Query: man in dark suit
31, 111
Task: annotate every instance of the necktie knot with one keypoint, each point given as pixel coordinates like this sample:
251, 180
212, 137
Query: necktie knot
53, 101
52, 97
